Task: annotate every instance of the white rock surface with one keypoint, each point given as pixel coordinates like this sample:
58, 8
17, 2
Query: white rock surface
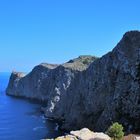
86, 134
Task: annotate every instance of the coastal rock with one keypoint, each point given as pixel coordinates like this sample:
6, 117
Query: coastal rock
67, 137
90, 95
46, 82
108, 91
28, 86
84, 134
132, 137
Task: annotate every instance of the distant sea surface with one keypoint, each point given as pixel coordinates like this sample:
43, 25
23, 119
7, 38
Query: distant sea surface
21, 119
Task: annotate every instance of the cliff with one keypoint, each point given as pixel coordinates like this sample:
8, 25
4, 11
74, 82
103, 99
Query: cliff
22, 85
46, 79
107, 91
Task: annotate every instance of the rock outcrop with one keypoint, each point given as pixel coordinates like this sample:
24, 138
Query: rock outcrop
107, 91
28, 86
83, 134
132, 137
46, 81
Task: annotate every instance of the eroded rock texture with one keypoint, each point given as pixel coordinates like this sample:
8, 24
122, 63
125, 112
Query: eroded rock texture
83, 134
95, 96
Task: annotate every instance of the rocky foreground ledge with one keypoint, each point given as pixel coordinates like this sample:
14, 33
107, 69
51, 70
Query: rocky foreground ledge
83, 134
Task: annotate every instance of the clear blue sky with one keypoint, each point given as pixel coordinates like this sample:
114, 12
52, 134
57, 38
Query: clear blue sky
54, 31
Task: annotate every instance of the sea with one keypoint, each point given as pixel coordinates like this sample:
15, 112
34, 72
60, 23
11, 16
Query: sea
22, 119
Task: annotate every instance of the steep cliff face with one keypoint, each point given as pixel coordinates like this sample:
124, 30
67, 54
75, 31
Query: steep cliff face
108, 91
46, 80
95, 96
28, 86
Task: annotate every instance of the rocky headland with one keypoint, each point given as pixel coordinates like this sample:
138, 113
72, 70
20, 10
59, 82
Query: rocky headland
88, 91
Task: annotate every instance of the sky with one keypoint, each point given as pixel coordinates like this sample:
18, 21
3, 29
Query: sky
54, 31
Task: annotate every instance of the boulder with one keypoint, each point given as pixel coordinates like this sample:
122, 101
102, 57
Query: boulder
84, 134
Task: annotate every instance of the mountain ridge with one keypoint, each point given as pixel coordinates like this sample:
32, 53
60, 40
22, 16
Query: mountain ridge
107, 90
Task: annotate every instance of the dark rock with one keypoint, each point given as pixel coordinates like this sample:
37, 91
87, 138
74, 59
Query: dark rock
108, 91
28, 86
45, 79
95, 96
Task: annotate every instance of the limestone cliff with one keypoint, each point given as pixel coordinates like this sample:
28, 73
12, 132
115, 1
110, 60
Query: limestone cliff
46, 80
108, 91
95, 96
28, 86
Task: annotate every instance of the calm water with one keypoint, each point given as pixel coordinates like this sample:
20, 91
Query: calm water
21, 119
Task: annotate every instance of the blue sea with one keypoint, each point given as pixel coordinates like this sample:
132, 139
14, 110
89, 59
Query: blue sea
21, 119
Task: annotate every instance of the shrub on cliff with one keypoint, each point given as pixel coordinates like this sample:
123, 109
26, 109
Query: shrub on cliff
115, 131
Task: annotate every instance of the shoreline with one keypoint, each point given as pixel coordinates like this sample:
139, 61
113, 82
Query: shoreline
41, 109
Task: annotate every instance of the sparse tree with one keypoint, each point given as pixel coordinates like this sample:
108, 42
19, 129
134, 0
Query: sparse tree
115, 131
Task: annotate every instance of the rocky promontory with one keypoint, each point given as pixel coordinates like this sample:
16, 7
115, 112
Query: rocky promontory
47, 81
89, 92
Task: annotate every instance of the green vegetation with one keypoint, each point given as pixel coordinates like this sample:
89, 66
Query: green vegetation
115, 131
87, 59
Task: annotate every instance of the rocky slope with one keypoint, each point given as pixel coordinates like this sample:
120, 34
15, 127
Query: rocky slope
108, 91
23, 85
94, 97
47, 80
83, 134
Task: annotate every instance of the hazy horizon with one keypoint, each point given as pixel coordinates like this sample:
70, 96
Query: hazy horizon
32, 31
